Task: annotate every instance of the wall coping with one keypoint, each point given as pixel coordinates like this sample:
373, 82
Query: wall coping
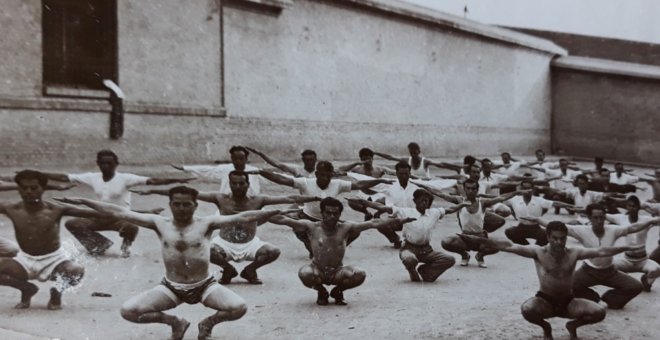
91, 105
438, 18
606, 66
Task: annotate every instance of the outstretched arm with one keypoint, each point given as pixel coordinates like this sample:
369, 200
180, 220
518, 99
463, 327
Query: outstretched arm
165, 181
588, 253
381, 208
435, 192
368, 183
270, 200
445, 165
383, 222
537, 220
297, 225
390, 157
207, 196
56, 176
639, 226
11, 187
120, 213
502, 198
250, 216
457, 207
273, 162
273, 177
502, 245
349, 167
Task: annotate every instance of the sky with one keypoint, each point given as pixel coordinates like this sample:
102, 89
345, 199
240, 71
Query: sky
623, 19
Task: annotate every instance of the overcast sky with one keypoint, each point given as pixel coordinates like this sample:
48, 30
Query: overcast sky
623, 19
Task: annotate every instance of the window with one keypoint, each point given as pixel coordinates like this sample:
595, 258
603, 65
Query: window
79, 43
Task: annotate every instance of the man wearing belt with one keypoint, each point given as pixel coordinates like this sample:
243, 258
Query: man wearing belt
417, 236
635, 261
529, 205
601, 271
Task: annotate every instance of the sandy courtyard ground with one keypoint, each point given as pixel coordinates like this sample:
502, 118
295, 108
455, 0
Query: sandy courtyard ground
465, 303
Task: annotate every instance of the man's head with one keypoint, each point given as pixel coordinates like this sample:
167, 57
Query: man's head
107, 162
598, 162
309, 158
414, 149
183, 202
31, 185
527, 183
475, 172
239, 157
596, 214
632, 205
557, 234
540, 155
582, 182
331, 209
618, 167
563, 164
324, 172
604, 173
402, 172
469, 160
366, 155
506, 157
471, 188
423, 200
239, 183
486, 165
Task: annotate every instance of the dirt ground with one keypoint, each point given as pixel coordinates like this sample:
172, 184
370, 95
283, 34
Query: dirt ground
465, 303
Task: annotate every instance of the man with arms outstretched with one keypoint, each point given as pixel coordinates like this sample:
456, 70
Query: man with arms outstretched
417, 236
555, 267
601, 271
37, 228
322, 186
328, 241
110, 186
308, 158
185, 245
240, 242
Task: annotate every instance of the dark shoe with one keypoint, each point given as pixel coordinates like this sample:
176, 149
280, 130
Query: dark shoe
322, 296
100, 250
126, 248
414, 275
338, 295
204, 331
645, 283
251, 277
228, 274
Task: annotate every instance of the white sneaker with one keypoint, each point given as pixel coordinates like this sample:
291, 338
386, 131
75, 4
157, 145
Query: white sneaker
465, 261
480, 262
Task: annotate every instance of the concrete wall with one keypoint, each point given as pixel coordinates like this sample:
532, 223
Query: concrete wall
330, 75
605, 108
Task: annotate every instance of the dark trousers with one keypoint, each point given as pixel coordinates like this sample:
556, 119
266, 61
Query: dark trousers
87, 232
625, 287
434, 263
520, 233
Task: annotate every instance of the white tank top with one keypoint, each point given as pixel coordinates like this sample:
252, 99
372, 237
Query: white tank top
471, 223
420, 172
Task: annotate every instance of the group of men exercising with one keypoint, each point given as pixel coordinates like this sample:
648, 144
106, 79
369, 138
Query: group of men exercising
481, 196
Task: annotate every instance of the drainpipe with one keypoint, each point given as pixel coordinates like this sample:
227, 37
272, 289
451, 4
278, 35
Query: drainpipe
117, 113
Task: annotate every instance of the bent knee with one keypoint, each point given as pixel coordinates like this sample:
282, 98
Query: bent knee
129, 312
238, 310
358, 275
273, 252
409, 261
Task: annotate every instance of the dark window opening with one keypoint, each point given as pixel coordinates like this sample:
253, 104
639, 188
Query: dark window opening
79, 42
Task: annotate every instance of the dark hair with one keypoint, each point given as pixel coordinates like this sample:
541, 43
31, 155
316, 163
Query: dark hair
595, 206
556, 226
469, 160
506, 153
618, 164
31, 174
366, 152
486, 160
104, 153
324, 166
238, 148
471, 181
634, 200
563, 160
331, 202
581, 176
414, 145
599, 159
539, 150
239, 173
402, 165
422, 192
184, 190
308, 152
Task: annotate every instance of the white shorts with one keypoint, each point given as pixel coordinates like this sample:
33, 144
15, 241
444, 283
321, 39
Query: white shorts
8, 248
41, 267
239, 252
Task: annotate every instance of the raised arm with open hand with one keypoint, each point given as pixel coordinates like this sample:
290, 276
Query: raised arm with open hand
120, 213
